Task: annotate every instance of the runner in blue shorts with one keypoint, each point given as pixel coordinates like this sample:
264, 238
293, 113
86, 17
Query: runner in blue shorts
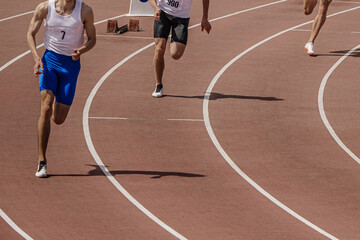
58, 70
172, 15
60, 79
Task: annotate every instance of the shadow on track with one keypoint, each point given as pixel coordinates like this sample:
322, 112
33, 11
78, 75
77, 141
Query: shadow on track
216, 96
340, 53
155, 174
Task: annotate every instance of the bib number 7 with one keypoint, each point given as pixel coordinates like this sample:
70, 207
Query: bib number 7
63, 36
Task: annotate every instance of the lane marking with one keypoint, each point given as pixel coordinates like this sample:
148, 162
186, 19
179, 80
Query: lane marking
14, 226
148, 119
327, 31
322, 110
227, 157
118, 36
3, 215
15, 16
347, 2
97, 158
124, 15
92, 149
41, 45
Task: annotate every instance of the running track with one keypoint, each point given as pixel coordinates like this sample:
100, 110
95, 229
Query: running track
237, 149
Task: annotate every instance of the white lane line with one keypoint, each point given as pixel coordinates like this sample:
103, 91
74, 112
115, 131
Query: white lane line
327, 31
322, 110
92, 149
119, 36
18, 57
14, 226
347, 2
148, 119
226, 156
41, 45
97, 158
124, 15
8, 220
19, 15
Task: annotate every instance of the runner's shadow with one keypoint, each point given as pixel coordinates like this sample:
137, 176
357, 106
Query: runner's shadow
341, 53
155, 174
216, 96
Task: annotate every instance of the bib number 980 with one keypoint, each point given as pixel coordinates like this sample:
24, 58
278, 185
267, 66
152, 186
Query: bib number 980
173, 3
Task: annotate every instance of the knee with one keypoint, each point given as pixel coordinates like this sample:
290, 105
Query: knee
159, 52
324, 7
46, 111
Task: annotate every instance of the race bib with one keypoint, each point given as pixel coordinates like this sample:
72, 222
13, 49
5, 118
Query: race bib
175, 4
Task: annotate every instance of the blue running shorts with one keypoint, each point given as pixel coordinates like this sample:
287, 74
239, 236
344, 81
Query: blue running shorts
60, 76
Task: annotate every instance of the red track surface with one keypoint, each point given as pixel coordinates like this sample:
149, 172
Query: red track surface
263, 111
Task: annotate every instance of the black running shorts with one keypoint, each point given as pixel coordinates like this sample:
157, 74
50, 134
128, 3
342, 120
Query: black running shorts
178, 25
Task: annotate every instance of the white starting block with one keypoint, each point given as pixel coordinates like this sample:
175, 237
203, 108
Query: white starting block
140, 8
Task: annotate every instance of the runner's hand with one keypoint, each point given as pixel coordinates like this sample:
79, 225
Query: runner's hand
76, 54
37, 66
205, 24
157, 14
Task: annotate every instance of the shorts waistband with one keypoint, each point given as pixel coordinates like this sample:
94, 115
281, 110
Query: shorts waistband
58, 55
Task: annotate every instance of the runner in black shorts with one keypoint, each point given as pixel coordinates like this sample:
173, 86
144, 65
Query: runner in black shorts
172, 15
179, 27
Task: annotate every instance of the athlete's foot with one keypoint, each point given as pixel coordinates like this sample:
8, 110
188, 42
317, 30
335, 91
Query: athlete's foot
42, 170
310, 49
158, 91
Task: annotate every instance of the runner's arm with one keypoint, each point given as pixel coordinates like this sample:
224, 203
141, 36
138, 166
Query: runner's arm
90, 33
205, 24
35, 24
156, 8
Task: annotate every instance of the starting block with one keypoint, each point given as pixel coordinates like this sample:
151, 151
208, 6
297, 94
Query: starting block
113, 27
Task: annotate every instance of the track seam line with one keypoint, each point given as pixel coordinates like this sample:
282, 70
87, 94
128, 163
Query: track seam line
148, 119
322, 110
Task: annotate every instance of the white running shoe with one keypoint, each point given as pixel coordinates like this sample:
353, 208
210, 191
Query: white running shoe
41, 171
158, 91
310, 49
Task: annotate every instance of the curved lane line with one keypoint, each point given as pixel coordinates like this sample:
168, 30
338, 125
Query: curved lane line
92, 149
97, 157
41, 45
3, 215
124, 15
14, 226
322, 110
19, 15
226, 156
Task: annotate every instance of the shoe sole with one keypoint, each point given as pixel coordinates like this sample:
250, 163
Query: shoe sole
41, 176
157, 95
309, 53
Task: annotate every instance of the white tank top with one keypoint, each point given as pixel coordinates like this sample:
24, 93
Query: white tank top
177, 8
63, 34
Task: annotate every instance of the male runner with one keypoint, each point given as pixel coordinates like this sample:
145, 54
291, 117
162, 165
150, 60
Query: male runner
175, 15
65, 22
319, 21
